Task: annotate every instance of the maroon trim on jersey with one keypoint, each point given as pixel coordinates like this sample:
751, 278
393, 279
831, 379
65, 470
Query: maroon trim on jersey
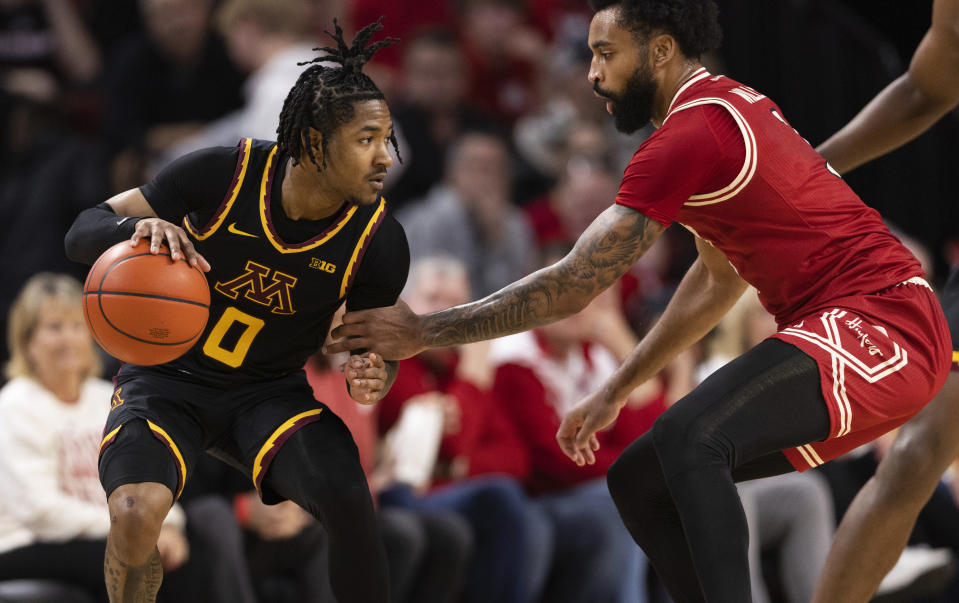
178, 461
278, 443
109, 439
365, 245
229, 192
344, 215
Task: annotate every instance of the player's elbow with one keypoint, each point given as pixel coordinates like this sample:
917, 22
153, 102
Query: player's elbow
73, 246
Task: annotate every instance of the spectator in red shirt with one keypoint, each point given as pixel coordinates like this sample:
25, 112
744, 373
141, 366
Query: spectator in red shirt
504, 53
480, 456
540, 375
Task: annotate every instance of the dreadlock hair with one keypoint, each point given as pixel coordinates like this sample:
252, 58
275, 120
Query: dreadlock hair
324, 96
694, 23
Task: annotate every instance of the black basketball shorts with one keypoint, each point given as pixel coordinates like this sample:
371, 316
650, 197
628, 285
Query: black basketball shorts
159, 424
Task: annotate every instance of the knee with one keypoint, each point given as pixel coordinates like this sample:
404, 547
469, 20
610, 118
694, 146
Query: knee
682, 444
913, 465
338, 501
449, 532
136, 513
636, 470
403, 534
504, 495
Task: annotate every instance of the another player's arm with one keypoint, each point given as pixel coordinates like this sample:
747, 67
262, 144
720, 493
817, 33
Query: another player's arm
608, 248
98, 228
909, 105
605, 251
708, 290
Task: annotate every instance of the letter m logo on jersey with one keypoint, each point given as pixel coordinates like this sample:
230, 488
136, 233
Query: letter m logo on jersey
262, 285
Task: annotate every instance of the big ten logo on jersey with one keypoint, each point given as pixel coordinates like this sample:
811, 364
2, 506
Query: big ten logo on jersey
262, 285
747, 93
322, 265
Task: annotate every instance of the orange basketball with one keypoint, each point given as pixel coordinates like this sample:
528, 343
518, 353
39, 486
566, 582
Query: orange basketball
144, 308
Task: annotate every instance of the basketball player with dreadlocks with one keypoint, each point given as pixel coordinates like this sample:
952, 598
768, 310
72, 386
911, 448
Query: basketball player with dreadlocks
287, 231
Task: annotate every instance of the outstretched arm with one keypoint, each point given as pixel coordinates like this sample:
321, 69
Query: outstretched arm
608, 248
711, 286
708, 290
909, 105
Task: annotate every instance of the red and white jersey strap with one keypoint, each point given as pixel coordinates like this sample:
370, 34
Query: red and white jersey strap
697, 76
749, 160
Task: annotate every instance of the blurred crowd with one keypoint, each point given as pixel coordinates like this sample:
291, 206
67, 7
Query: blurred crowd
506, 158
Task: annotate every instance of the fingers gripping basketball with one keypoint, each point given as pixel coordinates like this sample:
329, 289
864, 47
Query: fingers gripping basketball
144, 308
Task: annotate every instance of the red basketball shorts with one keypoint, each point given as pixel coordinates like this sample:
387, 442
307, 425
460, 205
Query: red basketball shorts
881, 358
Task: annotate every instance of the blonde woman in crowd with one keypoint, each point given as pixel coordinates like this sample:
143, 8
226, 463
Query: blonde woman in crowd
53, 512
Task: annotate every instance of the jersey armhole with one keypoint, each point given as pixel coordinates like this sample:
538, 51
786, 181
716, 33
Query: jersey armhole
361, 246
748, 169
242, 163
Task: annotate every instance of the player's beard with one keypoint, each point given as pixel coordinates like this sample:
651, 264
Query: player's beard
633, 108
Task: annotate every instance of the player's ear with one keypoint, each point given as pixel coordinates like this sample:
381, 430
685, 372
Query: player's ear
662, 49
314, 138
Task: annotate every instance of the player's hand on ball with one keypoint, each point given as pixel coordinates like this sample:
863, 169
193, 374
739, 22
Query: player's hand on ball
159, 231
366, 375
577, 433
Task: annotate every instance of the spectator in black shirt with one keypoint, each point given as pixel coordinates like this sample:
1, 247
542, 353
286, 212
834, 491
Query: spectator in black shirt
163, 84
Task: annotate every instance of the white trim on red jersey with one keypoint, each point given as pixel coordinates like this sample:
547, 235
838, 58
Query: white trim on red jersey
696, 76
749, 161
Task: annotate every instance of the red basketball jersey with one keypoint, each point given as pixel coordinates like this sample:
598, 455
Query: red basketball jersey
727, 166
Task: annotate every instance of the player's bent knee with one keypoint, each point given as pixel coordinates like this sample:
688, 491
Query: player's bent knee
682, 445
910, 470
636, 469
136, 513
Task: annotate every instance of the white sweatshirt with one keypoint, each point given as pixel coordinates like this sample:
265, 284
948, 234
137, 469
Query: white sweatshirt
49, 485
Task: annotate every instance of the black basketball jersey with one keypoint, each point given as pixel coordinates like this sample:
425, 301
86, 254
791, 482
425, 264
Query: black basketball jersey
272, 300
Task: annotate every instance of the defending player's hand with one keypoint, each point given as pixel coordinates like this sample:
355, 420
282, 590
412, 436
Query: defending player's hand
367, 377
393, 332
158, 231
577, 432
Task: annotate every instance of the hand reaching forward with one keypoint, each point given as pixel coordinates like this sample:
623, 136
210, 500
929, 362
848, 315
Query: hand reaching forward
392, 333
577, 432
367, 377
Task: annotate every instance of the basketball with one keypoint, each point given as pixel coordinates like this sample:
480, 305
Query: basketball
144, 308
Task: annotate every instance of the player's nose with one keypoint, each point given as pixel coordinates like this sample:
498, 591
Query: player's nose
383, 157
594, 74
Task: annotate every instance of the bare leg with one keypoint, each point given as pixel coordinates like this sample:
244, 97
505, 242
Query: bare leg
131, 565
877, 525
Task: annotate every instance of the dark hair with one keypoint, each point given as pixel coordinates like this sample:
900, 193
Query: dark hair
694, 23
324, 96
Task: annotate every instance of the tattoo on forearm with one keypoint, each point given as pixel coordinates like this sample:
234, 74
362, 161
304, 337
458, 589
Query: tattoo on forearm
132, 584
608, 248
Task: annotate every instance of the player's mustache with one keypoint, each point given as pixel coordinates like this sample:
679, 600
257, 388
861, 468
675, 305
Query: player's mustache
605, 94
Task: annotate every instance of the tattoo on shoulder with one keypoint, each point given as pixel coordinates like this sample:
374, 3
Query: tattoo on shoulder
603, 253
